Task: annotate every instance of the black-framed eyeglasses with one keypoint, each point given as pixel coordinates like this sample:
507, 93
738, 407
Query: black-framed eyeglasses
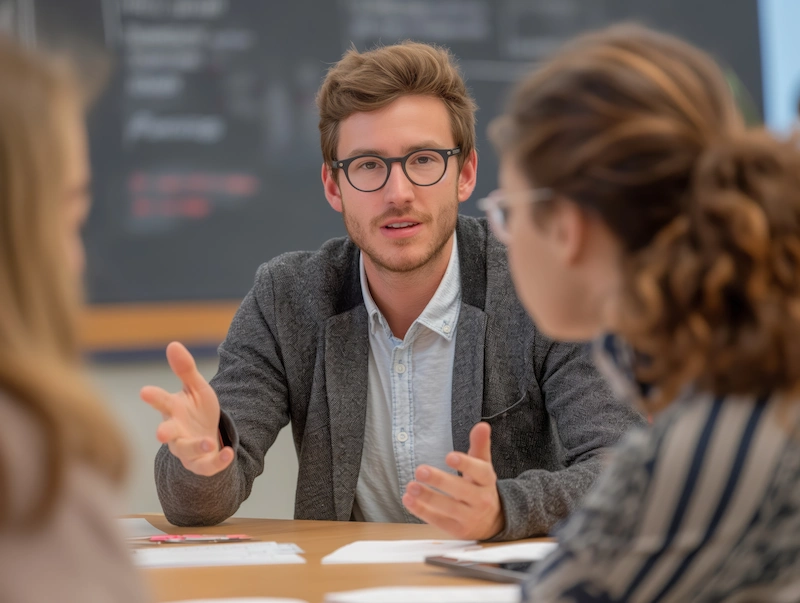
369, 173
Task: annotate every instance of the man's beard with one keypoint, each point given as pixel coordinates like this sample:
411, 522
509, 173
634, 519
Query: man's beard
444, 228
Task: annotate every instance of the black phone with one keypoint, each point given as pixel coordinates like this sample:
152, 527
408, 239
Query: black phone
514, 572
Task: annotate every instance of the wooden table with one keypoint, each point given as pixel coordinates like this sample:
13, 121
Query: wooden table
309, 581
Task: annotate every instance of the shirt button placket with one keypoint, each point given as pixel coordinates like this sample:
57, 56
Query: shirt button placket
403, 428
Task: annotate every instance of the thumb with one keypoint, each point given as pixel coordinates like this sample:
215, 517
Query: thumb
183, 365
480, 442
214, 463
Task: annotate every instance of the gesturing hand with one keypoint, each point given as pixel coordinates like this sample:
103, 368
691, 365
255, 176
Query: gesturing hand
191, 417
467, 506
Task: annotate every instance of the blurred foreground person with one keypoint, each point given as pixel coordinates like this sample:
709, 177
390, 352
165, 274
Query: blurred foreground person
61, 459
639, 212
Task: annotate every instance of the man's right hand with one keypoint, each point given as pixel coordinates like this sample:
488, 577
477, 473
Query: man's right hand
191, 417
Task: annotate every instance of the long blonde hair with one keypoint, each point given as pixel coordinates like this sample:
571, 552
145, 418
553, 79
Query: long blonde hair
40, 367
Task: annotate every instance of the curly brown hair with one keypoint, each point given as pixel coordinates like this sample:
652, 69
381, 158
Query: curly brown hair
368, 81
641, 129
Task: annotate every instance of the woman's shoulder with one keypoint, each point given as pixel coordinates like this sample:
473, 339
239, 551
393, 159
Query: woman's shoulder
698, 416
26, 466
23, 457
78, 543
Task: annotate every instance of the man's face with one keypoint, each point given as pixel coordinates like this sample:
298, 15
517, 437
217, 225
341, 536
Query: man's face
400, 227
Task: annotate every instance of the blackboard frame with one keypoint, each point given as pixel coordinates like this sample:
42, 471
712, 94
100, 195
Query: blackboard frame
112, 329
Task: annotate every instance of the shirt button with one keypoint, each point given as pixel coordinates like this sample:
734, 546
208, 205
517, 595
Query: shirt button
402, 436
446, 328
400, 368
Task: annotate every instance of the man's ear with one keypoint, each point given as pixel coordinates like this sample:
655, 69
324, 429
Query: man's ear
467, 177
332, 191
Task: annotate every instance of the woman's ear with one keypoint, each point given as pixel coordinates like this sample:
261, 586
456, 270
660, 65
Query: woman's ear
568, 227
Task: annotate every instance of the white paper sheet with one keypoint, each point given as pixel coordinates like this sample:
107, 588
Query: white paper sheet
523, 551
250, 553
429, 594
244, 600
395, 551
137, 527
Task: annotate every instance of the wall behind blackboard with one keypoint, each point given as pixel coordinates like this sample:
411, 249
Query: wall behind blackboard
205, 147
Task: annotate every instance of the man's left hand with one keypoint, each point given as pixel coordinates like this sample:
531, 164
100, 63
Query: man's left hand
466, 506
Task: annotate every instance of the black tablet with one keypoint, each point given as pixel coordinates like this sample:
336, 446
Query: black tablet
513, 572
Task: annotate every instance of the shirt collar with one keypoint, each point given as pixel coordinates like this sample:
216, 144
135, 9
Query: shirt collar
617, 362
441, 313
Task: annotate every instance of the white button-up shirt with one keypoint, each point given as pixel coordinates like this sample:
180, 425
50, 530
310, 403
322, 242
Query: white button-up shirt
408, 399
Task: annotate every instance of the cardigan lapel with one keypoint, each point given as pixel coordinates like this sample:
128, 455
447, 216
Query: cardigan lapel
467, 398
346, 366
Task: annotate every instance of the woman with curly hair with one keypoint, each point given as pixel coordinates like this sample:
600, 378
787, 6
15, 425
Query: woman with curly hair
640, 212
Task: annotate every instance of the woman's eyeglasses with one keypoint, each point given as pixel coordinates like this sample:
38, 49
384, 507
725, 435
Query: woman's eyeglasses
498, 204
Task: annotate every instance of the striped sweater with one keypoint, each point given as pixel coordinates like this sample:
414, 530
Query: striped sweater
705, 506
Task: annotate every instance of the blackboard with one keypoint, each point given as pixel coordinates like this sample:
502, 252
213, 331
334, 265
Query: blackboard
205, 149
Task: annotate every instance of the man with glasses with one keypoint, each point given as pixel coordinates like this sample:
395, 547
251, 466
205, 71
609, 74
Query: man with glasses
416, 386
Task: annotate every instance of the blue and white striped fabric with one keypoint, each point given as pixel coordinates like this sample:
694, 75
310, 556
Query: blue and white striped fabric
705, 506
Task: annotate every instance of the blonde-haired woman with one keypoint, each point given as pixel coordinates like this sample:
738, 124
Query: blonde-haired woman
61, 459
635, 202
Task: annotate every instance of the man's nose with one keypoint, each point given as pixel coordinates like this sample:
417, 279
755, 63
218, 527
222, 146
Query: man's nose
398, 188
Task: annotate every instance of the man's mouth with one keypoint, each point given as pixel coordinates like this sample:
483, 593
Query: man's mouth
398, 225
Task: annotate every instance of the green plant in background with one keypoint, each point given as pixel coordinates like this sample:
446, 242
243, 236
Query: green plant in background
744, 99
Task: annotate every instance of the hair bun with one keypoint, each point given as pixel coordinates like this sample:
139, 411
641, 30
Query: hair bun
742, 159
715, 300
746, 190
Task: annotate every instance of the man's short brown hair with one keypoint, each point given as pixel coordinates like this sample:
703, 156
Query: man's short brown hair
367, 81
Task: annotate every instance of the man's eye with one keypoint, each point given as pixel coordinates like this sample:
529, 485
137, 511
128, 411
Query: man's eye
368, 165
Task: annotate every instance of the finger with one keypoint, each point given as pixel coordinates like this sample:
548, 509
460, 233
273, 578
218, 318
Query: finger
430, 510
168, 431
432, 499
453, 485
480, 442
191, 449
158, 398
183, 365
475, 471
212, 463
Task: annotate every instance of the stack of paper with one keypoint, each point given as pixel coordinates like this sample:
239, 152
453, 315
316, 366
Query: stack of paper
429, 594
524, 551
250, 553
137, 528
244, 600
396, 551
